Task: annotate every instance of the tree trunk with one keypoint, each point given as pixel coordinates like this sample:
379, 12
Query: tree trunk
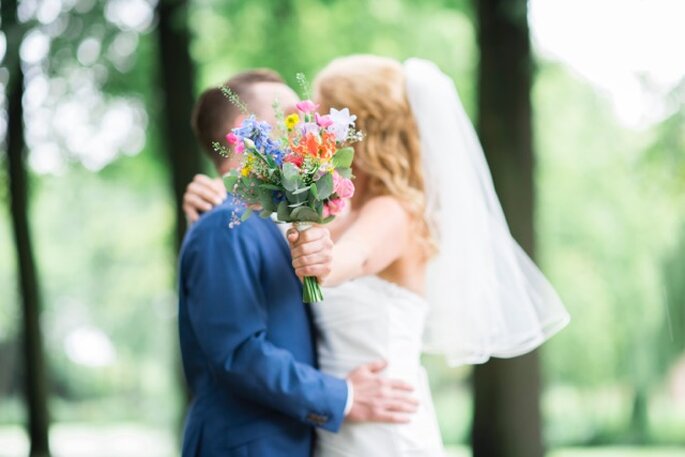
34, 376
177, 95
639, 417
176, 72
506, 419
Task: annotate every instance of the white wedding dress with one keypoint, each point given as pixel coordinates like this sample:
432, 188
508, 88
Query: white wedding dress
362, 321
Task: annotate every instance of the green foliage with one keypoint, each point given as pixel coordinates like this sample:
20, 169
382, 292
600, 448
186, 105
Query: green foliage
307, 34
324, 186
604, 226
673, 328
592, 212
291, 177
343, 158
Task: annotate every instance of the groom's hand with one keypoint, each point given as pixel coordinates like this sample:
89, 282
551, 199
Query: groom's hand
377, 399
312, 252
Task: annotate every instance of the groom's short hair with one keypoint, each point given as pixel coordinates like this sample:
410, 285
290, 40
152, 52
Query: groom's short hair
214, 115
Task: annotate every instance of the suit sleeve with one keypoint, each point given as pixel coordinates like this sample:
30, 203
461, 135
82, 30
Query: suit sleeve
225, 306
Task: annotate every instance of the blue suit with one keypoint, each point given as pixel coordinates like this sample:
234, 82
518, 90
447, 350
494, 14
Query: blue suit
247, 345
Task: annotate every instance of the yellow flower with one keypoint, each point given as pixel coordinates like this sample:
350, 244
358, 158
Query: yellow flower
291, 121
248, 165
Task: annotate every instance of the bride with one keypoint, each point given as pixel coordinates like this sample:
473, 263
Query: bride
423, 261
424, 246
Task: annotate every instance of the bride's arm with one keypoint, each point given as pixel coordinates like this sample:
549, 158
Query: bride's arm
202, 194
374, 241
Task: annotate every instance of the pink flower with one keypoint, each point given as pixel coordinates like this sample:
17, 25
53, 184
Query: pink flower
342, 186
334, 207
307, 106
323, 121
232, 139
239, 148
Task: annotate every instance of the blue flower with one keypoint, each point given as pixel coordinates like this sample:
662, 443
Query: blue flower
253, 129
259, 133
273, 149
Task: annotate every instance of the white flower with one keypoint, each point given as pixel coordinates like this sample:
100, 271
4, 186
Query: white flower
342, 121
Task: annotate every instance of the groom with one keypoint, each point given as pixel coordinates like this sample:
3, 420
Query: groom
246, 337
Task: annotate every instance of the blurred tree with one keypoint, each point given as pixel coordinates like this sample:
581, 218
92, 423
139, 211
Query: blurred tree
668, 150
664, 157
506, 419
610, 205
673, 333
34, 375
178, 85
177, 73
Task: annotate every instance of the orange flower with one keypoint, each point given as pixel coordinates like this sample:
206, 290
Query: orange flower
328, 145
309, 145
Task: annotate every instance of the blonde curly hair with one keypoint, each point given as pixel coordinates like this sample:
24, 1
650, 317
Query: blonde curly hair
373, 88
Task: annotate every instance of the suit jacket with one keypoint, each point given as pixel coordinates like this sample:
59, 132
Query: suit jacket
247, 345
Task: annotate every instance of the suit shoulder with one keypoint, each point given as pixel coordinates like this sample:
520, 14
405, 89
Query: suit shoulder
218, 222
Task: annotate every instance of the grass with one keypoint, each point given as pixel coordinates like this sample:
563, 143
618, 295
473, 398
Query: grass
135, 440
608, 451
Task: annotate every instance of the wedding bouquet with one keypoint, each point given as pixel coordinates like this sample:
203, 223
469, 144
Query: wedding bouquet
298, 170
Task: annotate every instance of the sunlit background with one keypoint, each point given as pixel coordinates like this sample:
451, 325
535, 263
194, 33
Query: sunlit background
608, 98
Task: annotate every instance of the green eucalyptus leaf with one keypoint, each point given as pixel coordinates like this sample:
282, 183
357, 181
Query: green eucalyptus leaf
290, 171
343, 158
301, 190
270, 186
291, 177
324, 186
266, 200
296, 198
344, 172
304, 214
283, 212
314, 192
328, 219
230, 180
246, 215
249, 181
265, 214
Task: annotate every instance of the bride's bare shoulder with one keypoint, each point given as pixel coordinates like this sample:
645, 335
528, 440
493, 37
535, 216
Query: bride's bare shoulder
388, 207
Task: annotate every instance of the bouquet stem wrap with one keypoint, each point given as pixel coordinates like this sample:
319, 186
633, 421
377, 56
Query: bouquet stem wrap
311, 291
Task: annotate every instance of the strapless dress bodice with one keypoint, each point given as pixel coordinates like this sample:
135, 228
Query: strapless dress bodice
365, 320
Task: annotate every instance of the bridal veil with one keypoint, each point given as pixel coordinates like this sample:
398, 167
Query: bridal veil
487, 298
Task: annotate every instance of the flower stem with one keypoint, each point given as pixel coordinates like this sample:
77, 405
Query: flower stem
311, 291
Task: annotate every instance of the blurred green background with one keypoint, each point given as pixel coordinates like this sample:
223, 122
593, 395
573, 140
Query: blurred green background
609, 220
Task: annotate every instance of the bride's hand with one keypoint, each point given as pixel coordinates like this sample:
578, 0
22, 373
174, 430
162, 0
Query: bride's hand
312, 252
201, 195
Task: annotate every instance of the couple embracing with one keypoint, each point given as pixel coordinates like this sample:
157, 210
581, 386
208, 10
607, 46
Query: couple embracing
420, 260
